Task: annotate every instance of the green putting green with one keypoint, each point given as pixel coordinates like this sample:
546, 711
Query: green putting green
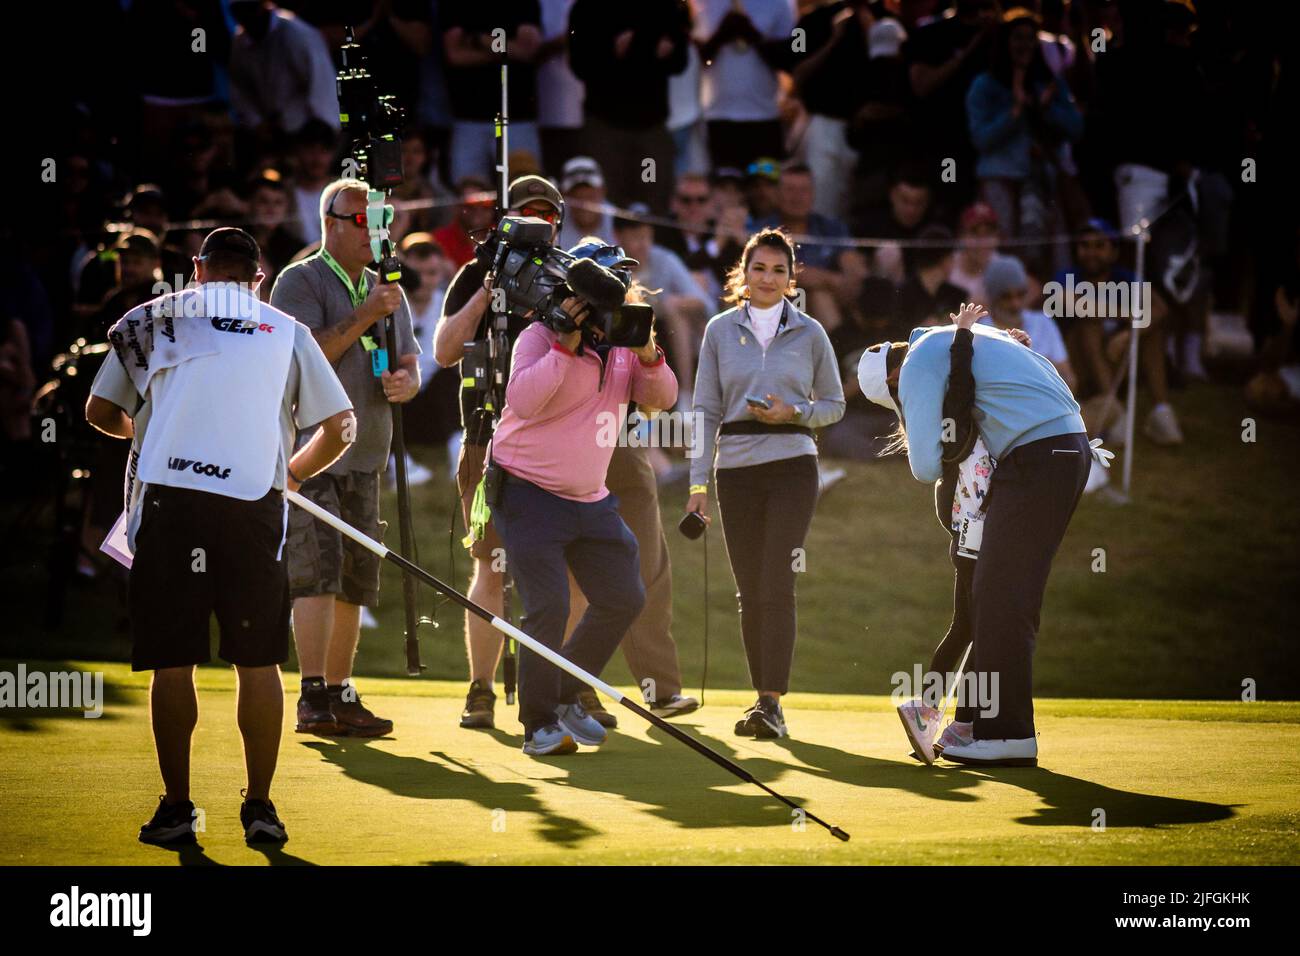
1120, 782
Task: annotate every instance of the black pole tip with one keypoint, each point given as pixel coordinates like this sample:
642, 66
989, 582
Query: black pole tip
839, 834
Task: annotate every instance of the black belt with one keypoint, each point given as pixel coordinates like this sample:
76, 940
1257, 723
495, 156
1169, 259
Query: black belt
754, 427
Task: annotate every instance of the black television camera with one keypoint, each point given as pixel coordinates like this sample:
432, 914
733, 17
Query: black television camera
536, 278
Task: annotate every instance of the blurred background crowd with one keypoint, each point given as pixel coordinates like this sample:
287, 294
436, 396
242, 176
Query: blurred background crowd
924, 153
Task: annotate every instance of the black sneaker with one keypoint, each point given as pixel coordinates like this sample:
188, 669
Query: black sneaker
768, 719
590, 702
745, 727
315, 717
172, 824
352, 717
260, 823
479, 712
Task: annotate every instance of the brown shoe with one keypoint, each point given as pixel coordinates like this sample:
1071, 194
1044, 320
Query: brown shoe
480, 703
354, 719
590, 702
316, 718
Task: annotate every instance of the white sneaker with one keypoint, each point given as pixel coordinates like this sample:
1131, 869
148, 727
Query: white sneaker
416, 473
830, 475
921, 724
956, 734
674, 706
1162, 426
367, 619
995, 753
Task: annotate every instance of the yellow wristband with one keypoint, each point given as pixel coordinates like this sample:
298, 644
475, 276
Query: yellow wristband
699, 489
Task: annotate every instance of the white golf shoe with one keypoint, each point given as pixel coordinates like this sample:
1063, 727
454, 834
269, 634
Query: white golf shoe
921, 724
995, 753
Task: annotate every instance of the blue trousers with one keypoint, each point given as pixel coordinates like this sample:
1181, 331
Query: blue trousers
545, 536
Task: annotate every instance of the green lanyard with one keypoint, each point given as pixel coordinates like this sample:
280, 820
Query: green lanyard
357, 294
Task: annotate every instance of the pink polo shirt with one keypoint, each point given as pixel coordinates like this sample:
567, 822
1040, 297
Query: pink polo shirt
556, 428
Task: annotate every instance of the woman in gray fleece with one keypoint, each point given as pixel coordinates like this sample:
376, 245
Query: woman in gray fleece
767, 376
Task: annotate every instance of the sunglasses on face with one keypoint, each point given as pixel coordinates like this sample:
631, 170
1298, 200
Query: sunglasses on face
359, 218
549, 213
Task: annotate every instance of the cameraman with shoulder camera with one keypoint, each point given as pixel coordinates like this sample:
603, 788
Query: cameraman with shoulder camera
339, 297
545, 483
465, 318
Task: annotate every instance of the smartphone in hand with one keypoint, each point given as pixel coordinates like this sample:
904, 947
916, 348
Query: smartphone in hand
753, 401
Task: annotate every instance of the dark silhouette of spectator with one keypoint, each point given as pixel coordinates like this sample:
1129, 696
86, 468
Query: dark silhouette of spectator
1020, 117
944, 57
473, 220
739, 85
905, 212
477, 38
624, 54
281, 72
927, 297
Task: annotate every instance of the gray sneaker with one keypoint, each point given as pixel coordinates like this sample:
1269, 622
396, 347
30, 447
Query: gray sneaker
549, 741
579, 724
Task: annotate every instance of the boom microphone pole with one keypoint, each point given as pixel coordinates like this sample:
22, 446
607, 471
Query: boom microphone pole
413, 571
374, 123
499, 354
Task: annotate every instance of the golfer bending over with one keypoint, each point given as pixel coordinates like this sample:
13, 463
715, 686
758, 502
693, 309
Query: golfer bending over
1031, 425
553, 510
767, 376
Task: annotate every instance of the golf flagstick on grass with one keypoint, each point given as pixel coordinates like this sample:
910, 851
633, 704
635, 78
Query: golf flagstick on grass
505, 627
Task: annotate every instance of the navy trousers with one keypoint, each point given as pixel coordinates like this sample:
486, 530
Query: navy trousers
543, 535
1033, 495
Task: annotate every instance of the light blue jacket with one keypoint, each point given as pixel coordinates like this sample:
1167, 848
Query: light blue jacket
1019, 397
798, 367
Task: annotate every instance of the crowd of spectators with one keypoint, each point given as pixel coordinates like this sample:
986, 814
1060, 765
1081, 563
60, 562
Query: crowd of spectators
924, 153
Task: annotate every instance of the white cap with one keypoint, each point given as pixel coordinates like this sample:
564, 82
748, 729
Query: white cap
872, 375
885, 38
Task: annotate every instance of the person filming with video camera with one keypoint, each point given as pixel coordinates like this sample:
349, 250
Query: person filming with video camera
584, 355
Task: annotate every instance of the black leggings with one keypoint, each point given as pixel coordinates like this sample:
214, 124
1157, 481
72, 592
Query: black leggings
766, 511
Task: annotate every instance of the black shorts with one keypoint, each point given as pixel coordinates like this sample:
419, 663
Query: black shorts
197, 553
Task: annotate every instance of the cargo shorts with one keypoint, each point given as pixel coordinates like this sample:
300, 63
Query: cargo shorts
324, 561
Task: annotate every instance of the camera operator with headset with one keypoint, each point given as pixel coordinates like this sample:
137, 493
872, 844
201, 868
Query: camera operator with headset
582, 361
466, 318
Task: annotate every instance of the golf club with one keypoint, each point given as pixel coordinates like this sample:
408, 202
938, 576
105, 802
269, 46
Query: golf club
505, 627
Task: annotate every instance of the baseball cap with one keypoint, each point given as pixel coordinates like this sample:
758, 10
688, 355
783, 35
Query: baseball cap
528, 189
232, 242
885, 38
137, 240
581, 171
634, 215
978, 214
873, 375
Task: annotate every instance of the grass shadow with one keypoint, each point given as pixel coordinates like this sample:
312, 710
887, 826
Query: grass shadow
446, 779
1072, 802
